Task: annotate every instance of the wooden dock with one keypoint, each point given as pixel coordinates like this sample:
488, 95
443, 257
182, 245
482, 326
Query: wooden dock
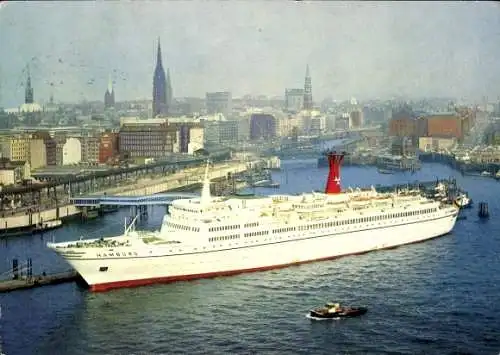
37, 281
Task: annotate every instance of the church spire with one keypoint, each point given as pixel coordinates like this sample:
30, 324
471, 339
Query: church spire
109, 95
110, 84
28, 94
158, 54
308, 101
159, 86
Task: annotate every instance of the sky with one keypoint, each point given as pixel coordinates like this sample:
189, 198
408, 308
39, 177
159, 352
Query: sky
366, 50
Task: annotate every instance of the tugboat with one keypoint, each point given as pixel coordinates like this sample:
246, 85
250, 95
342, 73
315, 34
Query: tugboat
335, 311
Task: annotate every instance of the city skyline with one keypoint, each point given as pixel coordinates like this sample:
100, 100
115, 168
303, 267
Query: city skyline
365, 50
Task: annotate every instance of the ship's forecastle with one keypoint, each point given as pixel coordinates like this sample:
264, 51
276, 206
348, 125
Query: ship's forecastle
213, 236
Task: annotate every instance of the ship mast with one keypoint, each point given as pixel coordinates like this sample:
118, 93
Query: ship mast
205, 190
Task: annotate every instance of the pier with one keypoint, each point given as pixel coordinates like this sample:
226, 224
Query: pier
37, 281
450, 183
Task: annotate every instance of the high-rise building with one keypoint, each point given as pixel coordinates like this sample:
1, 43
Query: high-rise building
219, 102
294, 100
262, 126
356, 119
308, 100
159, 86
153, 138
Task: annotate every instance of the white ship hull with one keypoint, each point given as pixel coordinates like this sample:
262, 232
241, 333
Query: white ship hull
150, 266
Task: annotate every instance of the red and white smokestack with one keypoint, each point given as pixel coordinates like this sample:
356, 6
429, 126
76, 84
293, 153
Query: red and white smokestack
334, 163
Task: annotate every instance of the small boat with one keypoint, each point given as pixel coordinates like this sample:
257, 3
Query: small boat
48, 225
463, 201
335, 311
385, 171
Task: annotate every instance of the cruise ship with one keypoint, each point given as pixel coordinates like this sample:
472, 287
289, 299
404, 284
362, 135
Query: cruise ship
210, 236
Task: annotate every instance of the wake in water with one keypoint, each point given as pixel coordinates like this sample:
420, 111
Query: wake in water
318, 319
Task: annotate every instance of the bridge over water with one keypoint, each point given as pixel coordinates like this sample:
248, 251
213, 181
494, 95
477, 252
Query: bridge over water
147, 200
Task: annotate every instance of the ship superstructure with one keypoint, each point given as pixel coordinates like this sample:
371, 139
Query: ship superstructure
213, 236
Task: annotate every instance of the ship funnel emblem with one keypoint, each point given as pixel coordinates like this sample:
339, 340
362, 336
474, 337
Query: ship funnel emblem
334, 162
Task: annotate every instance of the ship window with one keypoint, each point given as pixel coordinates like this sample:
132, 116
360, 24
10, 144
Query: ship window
103, 269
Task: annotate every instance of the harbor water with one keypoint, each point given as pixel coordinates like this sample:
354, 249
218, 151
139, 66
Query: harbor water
436, 297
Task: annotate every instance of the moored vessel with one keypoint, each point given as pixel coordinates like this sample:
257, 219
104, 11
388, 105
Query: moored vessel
216, 236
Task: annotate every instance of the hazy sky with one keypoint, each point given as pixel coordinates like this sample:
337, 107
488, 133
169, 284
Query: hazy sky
365, 50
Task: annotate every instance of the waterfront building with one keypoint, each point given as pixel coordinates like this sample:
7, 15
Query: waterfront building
37, 153
443, 125
436, 144
108, 146
152, 138
16, 148
403, 124
71, 151
13, 172
50, 147
90, 147
262, 126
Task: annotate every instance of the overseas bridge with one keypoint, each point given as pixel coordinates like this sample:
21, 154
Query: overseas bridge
147, 200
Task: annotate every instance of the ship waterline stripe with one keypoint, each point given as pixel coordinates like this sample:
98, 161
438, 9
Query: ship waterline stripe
453, 214
106, 286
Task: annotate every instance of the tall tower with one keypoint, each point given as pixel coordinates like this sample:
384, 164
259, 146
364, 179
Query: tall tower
109, 95
28, 93
308, 100
159, 86
169, 91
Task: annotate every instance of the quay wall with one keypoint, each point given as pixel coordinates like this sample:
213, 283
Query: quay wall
26, 220
463, 167
142, 187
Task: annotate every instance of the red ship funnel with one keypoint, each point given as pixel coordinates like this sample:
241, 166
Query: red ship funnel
333, 183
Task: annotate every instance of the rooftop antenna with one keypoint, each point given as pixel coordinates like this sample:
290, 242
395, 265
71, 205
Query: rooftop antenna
205, 191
